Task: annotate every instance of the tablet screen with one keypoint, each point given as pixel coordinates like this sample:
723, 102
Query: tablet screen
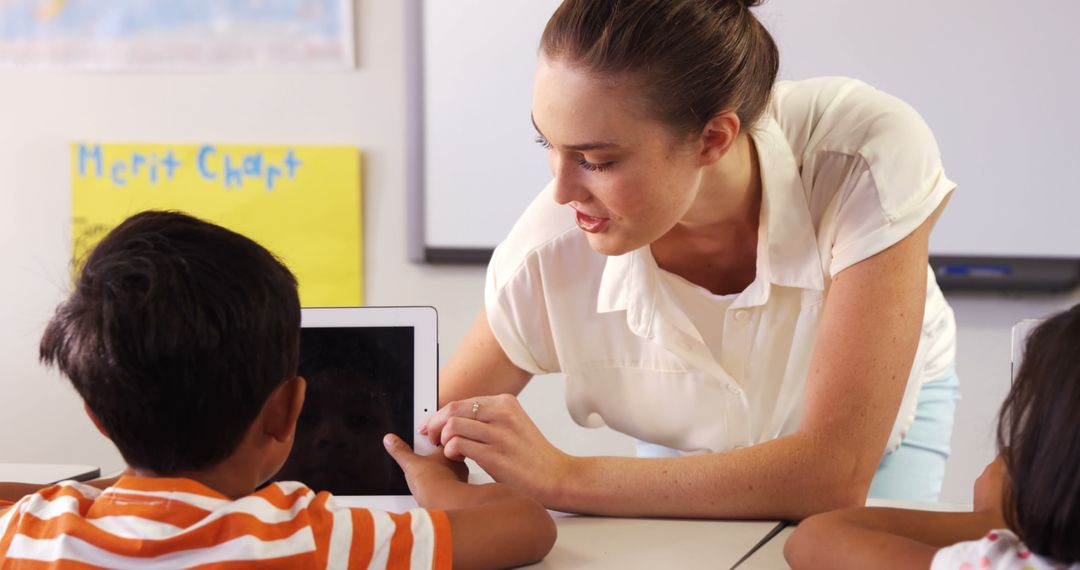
359, 388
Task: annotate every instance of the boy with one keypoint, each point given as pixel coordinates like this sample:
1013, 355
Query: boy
182, 338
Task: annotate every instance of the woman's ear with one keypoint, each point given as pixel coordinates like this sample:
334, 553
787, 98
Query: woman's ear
718, 136
282, 409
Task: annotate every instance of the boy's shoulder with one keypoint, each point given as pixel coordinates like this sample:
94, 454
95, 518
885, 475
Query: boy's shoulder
194, 524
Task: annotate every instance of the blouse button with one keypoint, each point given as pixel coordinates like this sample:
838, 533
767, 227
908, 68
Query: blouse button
742, 315
733, 388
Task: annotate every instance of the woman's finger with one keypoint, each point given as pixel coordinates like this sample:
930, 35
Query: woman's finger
460, 448
469, 428
474, 409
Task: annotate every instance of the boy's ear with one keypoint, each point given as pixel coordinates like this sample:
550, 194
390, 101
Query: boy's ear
282, 409
97, 422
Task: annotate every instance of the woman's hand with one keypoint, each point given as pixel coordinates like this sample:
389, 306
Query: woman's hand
496, 433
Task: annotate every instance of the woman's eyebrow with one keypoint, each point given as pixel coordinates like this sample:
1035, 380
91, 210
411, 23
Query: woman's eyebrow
577, 147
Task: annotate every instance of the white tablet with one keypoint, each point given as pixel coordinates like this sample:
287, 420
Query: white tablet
370, 371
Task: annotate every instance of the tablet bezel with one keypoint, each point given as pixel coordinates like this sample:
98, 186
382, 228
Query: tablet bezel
424, 322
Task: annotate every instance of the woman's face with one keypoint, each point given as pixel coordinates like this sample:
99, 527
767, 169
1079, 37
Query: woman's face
629, 179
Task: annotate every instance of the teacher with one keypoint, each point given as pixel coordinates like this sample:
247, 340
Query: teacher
730, 269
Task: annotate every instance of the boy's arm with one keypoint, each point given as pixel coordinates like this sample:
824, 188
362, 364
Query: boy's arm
881, 537
491, 525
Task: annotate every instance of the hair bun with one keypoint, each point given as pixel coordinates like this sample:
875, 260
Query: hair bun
741, 3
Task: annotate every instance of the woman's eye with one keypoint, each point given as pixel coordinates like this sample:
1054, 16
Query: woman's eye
592, 166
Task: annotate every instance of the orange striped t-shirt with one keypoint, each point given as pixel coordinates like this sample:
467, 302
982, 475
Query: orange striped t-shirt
179, 523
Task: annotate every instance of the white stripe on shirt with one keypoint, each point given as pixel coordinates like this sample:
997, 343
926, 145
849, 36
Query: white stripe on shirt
130, 526
341, 536
384, 533
45, 509
245, 547
423, 532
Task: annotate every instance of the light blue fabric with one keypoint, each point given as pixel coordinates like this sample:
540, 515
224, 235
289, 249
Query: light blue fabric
915, 470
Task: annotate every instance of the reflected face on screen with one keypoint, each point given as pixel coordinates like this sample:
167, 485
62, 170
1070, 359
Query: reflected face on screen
360, 387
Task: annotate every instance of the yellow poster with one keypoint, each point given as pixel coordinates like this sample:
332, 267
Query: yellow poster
300, 202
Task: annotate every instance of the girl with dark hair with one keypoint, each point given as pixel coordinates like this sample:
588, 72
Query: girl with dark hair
730, 269
1027, 502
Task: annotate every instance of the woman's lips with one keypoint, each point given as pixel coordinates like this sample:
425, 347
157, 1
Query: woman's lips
591, 224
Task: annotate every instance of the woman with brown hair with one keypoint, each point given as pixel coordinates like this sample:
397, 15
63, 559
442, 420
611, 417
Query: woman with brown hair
730, 269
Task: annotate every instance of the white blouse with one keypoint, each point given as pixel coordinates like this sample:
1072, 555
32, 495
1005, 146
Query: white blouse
846, 170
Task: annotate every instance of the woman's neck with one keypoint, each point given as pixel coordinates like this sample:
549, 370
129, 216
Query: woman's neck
715, 245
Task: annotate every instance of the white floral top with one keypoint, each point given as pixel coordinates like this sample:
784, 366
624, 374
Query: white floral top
999, 550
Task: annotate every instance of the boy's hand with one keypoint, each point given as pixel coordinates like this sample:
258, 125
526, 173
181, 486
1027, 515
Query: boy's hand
990, 488
426, 475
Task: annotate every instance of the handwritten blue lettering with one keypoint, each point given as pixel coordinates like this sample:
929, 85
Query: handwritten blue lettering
171, 164
94, 153
253, 164
272, 172
204, 169
118, 169
232, 174
291, 163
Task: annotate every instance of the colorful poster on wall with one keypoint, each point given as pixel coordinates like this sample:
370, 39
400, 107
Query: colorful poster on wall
151, 34
300, 202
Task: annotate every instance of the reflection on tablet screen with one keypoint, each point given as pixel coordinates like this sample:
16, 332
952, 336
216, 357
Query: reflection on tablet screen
359, 388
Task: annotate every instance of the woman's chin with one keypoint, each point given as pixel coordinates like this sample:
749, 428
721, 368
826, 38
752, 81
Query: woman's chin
609, 244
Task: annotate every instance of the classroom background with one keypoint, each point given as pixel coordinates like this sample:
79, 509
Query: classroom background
366, 108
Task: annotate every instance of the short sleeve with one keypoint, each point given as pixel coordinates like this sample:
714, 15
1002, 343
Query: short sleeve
893, 180
523, 269
514, 298
420, 538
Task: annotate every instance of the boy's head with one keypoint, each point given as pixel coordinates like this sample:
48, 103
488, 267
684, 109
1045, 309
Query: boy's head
1039, 436
176, 335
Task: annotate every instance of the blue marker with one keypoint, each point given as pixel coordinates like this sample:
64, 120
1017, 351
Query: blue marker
977, 270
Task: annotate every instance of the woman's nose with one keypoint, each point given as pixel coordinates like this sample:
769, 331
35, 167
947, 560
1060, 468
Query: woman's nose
568, 185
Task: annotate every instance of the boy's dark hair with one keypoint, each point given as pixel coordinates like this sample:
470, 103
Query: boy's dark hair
175, 335
1039, 436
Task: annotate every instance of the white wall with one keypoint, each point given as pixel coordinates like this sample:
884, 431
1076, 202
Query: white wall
42, 420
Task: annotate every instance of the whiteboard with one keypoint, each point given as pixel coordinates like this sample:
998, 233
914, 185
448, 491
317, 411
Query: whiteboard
998, 82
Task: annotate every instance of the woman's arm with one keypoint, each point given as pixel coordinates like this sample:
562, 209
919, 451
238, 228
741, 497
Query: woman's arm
480, 367
867, 340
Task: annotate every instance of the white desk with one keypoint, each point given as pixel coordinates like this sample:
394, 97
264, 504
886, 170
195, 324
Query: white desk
46, 473
596, 542
771, 555
601, 542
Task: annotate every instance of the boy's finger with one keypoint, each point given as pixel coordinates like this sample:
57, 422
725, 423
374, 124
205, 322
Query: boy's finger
398, 449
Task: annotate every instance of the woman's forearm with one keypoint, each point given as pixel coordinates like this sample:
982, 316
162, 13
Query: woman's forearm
787, 478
